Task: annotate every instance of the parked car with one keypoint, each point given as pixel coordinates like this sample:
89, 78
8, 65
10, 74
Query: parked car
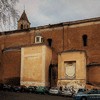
23, 88
46, 89
54, 90
66, 92
6, 87
93, 94
16, 88
41, 90
31, 89
81, 90
1, 86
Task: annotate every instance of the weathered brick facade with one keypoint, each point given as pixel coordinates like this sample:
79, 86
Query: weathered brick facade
11, 69
65, 36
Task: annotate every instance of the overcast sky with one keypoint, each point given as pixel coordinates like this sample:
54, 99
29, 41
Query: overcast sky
43, 12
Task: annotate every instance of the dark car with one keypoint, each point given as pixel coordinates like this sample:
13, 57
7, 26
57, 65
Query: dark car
93, 94
23, 88
16, 88
6, 87
1, 86
41, 90
31, 89
81, 90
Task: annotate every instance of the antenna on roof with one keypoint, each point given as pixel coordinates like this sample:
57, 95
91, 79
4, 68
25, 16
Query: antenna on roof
24, 7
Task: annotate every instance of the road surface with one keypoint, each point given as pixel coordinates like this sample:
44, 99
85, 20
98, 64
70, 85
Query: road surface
29, 96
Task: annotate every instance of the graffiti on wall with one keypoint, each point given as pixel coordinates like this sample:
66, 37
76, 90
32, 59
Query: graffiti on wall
71, 84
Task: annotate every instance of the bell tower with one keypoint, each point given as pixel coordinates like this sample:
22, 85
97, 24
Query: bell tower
23, 22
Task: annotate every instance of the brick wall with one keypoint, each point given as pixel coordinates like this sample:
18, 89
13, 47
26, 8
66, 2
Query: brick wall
93, 75
11, 62
63, 38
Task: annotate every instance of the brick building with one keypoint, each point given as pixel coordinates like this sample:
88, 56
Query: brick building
81, 35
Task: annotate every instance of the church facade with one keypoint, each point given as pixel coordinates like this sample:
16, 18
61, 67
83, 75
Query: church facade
67, 52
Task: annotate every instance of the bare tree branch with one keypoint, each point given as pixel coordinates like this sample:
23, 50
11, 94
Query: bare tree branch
8, 13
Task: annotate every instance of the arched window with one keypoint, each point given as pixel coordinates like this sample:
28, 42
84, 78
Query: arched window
84, 40
21, 26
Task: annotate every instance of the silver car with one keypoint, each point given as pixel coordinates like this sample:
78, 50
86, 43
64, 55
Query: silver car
66, 92
54, 90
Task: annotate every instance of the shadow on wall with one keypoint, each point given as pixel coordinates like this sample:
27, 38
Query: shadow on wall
12, 81
53, 75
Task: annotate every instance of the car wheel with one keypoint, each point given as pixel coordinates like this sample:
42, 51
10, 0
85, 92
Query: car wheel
83, 98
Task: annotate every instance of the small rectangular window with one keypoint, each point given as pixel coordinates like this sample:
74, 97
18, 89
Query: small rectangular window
49, 42
84, 40
39, 39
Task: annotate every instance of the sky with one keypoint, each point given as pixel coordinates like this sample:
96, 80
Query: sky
44, 12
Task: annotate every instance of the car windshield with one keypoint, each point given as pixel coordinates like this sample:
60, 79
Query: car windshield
91, 92
81, 90
40, 87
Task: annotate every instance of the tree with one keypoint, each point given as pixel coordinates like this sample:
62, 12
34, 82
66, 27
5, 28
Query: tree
8, 14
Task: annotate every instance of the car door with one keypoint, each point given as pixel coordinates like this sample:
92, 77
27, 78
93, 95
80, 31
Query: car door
92, 95
98, 95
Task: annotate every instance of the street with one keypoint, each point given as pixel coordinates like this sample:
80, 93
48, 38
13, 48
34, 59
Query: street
29, 96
